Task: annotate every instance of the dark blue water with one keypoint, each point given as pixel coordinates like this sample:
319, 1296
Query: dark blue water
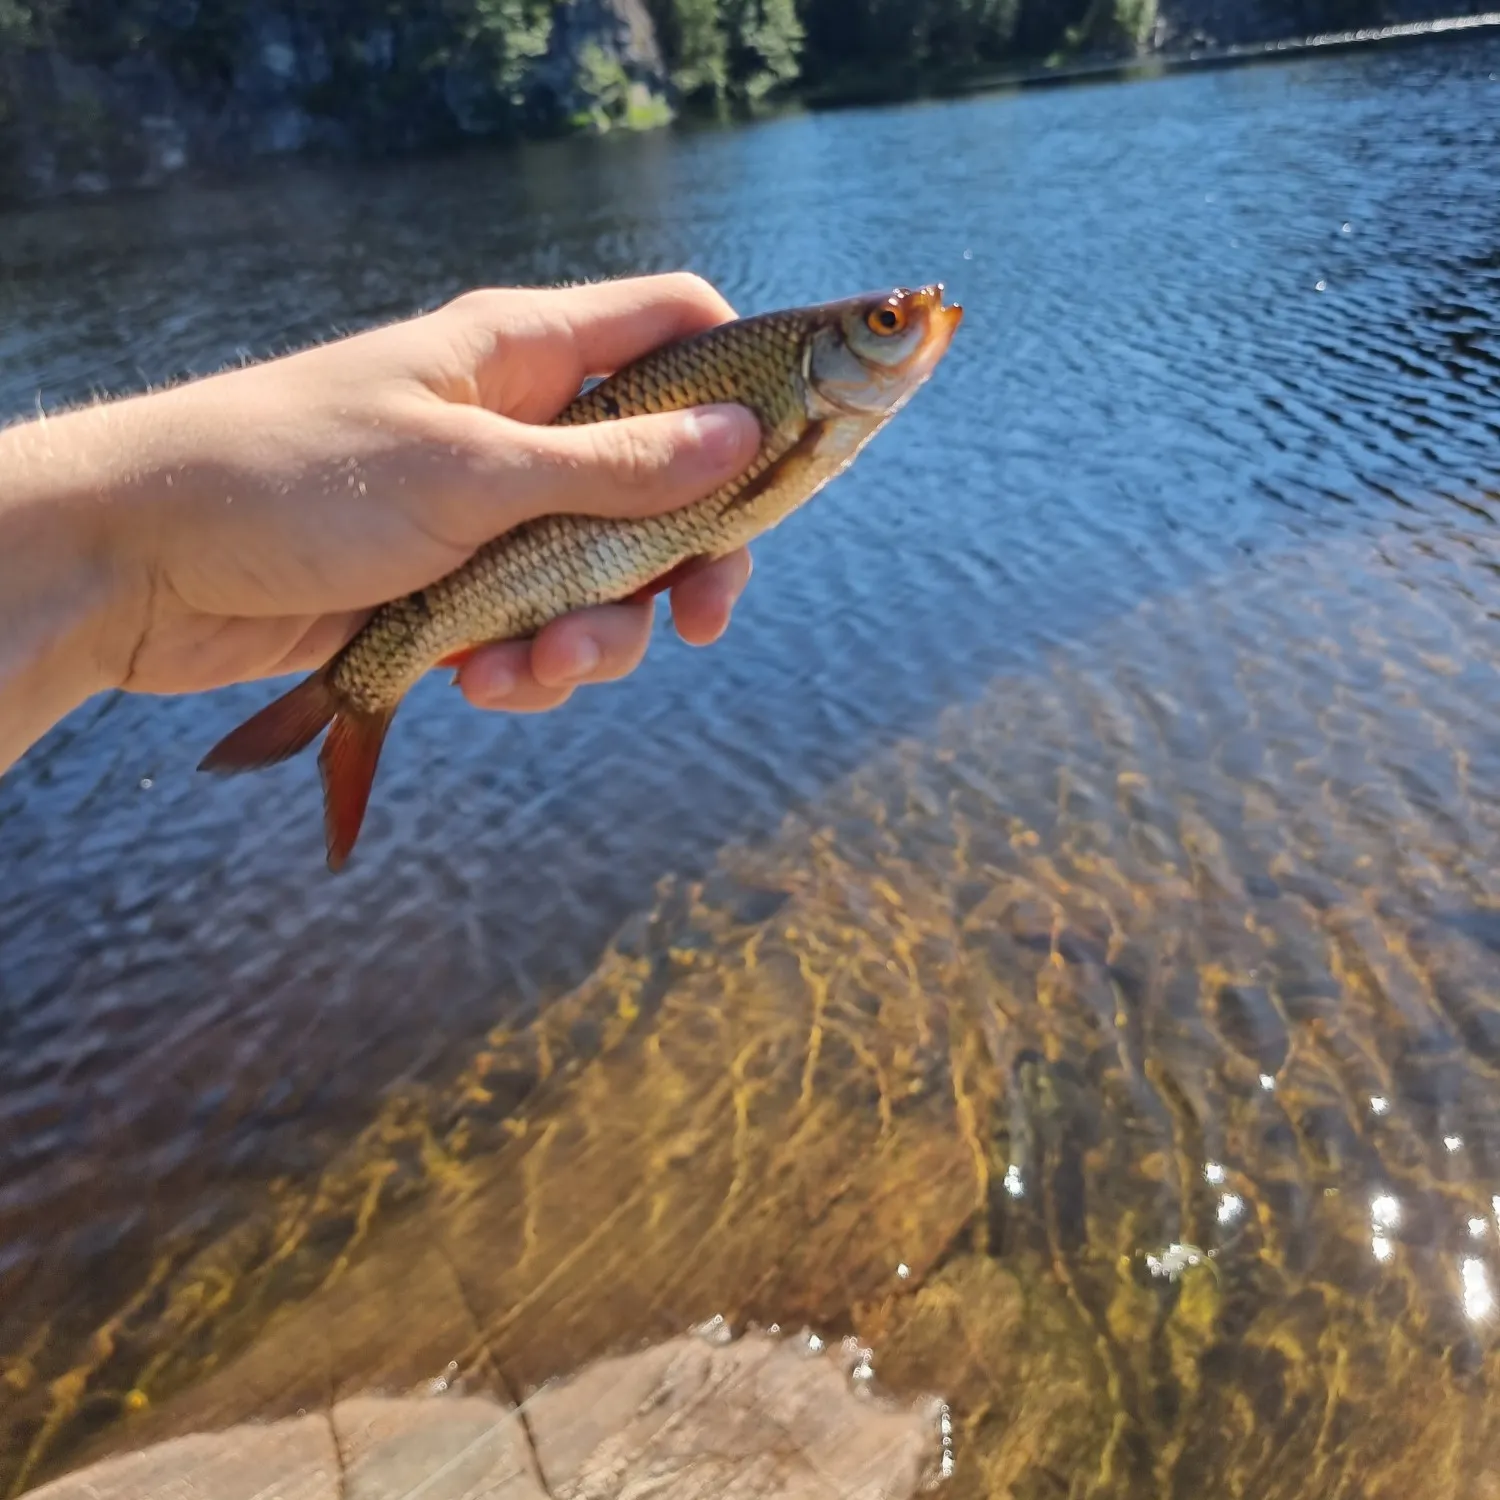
1212, 322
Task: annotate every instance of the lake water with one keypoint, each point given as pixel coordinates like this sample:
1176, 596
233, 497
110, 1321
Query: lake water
1086, 840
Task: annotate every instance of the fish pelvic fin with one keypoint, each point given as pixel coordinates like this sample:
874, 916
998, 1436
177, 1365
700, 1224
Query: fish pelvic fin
282, 729
347, 764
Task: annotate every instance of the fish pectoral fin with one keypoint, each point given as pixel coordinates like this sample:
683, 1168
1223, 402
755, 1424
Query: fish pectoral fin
797, 471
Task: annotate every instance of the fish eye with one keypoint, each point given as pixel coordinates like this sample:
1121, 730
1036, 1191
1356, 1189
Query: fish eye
886, 319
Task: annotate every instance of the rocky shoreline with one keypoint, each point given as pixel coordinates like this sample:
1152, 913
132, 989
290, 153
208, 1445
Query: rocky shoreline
76, 128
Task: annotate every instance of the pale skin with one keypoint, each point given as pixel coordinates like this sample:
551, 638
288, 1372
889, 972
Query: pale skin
245, 525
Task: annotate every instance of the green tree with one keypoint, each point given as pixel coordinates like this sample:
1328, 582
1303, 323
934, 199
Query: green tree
1043, 25
1114, 25
959, 33
694, 45
764, 48
16, 27
511, 34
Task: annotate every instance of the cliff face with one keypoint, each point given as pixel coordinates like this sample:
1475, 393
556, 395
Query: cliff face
374, 76
284, 84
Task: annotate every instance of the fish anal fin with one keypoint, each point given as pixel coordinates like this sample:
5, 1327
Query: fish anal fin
347, 765
283, 728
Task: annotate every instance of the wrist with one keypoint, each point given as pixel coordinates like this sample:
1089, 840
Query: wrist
64, 590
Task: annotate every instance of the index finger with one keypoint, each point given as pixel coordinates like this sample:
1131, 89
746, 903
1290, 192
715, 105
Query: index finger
611, 323
537, 346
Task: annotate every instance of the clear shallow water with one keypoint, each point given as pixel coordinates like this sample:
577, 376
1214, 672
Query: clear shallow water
1171, 512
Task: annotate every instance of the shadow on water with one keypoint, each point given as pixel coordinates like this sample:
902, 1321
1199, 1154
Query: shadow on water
1138, 704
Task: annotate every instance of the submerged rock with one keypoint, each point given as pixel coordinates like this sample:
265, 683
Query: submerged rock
755, 1419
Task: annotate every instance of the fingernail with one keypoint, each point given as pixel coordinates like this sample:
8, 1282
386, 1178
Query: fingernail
494, 685
582, 659
721, 432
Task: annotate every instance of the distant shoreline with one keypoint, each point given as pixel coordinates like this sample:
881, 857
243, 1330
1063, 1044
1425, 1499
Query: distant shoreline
854, 91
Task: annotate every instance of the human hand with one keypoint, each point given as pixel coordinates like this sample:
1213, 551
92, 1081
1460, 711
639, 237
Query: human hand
251, 521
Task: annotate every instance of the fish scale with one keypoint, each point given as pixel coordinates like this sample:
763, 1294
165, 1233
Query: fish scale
812, 427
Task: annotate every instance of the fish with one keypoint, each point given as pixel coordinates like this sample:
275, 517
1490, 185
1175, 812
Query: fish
822, 380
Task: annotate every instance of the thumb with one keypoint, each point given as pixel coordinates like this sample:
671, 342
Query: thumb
629, 467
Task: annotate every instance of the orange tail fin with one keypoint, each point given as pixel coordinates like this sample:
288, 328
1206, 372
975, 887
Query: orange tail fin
347, 761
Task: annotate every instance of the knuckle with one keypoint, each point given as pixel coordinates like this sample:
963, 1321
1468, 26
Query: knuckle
689, 287
635, 459
483, 305
479, 300
466, 303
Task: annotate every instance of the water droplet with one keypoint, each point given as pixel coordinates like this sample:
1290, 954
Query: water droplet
1322, 286
1379, 1104
1013, 1183
1213, 1172
903, 1270
1346, 228
1453, 1142
1380, 1247
968, 255
1268, 1083
146, 783
1478, 1228
1231, 1206
1385, 1210
814, 1344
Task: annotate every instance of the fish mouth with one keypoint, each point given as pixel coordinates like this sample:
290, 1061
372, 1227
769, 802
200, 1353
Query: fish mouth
943, 318
940, 322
